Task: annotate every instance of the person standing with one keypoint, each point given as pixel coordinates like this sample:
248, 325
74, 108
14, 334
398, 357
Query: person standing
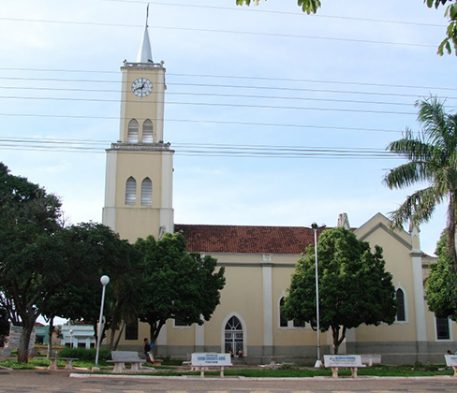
147, 351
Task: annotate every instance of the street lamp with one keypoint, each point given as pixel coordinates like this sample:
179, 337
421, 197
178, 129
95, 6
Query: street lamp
318, 363
104, 280
71, 339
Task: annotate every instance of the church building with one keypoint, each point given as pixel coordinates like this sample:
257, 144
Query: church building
259, 260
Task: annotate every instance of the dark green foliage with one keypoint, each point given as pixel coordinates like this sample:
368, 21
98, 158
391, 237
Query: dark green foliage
441, 286
176, 284
29, 253
354, 288
84, 354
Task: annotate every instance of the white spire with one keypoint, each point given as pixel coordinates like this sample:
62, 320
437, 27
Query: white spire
144, 53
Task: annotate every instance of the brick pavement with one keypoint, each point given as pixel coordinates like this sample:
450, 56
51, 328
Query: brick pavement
22, 381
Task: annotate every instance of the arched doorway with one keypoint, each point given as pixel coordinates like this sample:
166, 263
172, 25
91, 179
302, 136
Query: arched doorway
234, 337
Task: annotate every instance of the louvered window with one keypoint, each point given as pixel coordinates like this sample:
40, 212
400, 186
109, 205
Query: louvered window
130, 191
146, 192
132, 136
147, 131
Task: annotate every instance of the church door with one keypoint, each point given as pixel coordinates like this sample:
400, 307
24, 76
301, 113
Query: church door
234, 337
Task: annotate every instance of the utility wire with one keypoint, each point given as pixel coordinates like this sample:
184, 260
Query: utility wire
249, 77
218, 122
298, 13
220, 31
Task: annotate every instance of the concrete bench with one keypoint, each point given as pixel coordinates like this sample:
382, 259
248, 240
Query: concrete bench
121, 358
335, 362
370, 359
451, 361
204, 361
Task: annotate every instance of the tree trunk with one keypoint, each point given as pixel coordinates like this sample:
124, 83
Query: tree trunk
23, 349
154, 330
116, 340
451, 228
337, 340
50, 331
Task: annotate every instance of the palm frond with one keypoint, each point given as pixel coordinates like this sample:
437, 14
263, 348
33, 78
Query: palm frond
418, 207
408, 174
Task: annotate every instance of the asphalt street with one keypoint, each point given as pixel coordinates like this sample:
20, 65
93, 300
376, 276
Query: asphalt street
60, 382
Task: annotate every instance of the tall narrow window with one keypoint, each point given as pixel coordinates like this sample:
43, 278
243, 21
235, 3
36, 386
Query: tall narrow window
130, 191
147, 131
442, 328
400, 299
132, 135
131, 330
283, 322
234, 337
146, 192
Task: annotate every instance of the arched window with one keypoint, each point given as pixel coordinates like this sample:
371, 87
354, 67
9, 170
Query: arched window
401, 310
132, 135
130, 191
234, 337
147, 131
146, 192
283, 321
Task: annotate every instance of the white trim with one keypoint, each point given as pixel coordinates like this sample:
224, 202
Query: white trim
267, 272
419, 303
243, 325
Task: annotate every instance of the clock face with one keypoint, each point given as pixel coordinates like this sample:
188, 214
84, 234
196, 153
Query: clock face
141, 87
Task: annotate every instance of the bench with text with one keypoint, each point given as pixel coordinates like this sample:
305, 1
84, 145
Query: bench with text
451, 361
206, 360
120, 358
343, 361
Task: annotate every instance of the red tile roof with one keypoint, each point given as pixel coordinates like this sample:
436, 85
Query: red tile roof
246, 239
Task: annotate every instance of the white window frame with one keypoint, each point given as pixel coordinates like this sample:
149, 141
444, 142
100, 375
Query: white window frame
436, 330
405, 301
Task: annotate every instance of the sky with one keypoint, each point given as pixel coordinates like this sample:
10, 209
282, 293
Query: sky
247, 88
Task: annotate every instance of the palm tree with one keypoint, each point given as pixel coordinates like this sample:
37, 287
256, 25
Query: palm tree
432, 156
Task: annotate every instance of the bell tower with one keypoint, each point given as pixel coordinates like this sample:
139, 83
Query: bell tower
139, 166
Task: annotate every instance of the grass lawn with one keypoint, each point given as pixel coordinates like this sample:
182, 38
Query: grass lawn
254, 372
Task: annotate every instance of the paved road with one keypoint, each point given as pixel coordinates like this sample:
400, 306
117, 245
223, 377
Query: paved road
60, 382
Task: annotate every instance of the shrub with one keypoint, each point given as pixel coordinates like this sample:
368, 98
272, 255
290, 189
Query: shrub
84, 354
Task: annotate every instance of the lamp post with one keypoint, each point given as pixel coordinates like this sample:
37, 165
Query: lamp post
104, 280
71, 339
318, 363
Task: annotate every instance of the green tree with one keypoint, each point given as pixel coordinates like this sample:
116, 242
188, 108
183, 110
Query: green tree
432, 158
354, 288
449, 43
441, 285
92, 250
177, 284
29, 265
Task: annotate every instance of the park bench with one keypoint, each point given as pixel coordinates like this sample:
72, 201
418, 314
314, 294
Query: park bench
121, 358
336, 362
451, 361
370, 359
206, 360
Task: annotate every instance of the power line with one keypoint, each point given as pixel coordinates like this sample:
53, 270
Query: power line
219, 122
299, 13
220, 31
206, 149
221, 76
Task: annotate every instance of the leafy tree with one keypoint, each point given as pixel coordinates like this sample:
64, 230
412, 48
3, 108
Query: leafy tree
4, 323
177, 284
92, 250
441, 286
432, 158
29, 220
449, 43
354, 288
